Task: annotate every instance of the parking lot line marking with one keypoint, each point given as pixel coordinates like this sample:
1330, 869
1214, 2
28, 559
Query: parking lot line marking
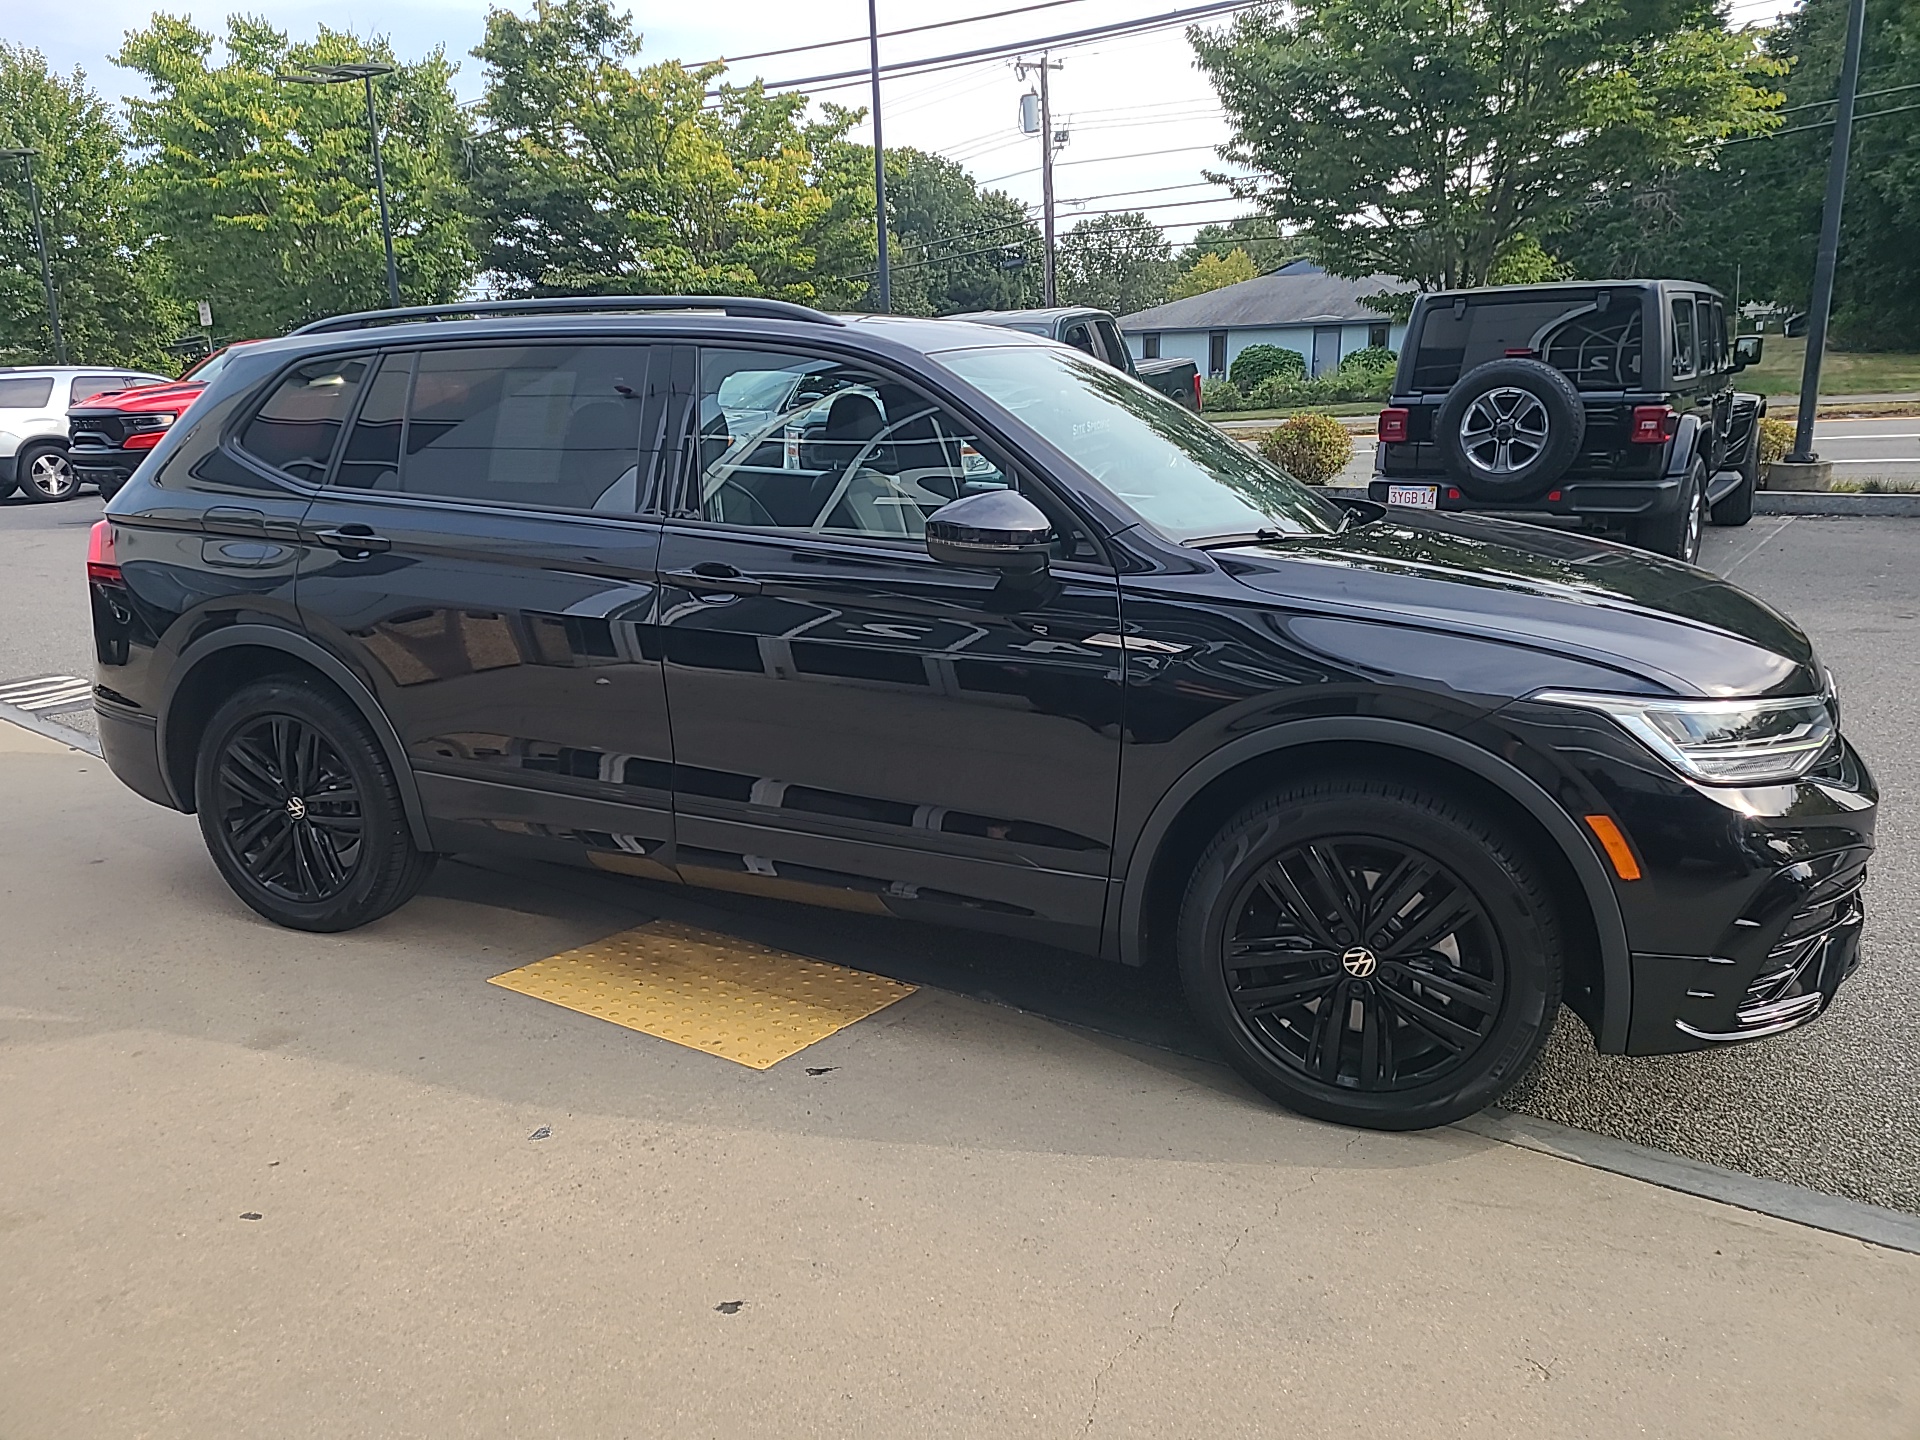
710, 992
46, 693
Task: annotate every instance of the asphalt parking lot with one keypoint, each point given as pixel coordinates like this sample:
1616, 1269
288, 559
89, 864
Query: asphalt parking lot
1835, 1107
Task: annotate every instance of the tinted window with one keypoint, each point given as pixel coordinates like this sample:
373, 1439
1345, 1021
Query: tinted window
1150, 345
87, 386
1597, 347
1178, 472
1684, 354
549, 425
25, 394
1080, 336
792, 442
1111, 342
296, 429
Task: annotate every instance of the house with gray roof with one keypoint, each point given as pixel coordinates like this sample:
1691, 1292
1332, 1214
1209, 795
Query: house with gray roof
1298, 307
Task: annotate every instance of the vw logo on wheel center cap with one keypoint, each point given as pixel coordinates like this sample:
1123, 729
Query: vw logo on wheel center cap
297, 810
1359, 962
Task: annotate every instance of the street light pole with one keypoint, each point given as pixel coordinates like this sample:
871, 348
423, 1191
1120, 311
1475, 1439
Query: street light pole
25, 157
365, 71
1828, 257
884, 285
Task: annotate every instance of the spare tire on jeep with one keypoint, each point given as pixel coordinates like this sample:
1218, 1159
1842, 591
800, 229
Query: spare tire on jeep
1510, 428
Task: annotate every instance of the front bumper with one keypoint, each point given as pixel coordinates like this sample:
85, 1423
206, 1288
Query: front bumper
103, 466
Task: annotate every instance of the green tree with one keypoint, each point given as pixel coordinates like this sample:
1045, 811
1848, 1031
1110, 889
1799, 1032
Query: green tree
1258, 235
1425, 139
595, 175
107, 278
1121, 263
1210, 272
953, 241
262, 191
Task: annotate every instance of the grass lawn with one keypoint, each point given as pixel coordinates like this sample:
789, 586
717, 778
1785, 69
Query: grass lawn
1356, 407
1844, 373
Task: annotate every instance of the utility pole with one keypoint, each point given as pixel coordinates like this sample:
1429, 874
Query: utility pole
25, 157
1043, 65
884, 286
1828, 257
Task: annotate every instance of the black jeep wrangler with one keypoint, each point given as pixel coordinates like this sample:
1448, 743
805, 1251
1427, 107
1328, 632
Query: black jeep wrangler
1610, 402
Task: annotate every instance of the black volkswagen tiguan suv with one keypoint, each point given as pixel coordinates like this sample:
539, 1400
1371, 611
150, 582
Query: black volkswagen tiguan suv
941, 621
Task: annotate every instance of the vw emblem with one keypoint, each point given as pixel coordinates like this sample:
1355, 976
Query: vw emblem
1359, 962
297, 810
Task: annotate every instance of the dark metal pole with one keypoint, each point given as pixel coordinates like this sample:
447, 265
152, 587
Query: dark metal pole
885, 284
1824, 263
380, 185
46, 268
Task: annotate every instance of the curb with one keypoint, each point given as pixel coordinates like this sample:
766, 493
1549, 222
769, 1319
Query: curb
1767, 502
1873, 1224
51, 729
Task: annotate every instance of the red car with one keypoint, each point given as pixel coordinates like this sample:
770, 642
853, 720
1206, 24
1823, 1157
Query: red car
110, 434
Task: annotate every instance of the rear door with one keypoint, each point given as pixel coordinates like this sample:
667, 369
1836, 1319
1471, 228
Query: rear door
484, 553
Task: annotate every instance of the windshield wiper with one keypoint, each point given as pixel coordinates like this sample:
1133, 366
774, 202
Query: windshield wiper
1222, 542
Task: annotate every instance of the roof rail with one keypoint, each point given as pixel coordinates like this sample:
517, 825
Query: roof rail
575, 305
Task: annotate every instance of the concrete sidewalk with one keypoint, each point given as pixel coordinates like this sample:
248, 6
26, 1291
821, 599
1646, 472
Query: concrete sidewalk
256, 1182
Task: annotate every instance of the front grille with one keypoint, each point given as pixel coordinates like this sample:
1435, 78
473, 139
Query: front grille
105, 432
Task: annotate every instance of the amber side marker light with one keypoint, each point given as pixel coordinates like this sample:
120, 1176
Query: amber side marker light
1615, 844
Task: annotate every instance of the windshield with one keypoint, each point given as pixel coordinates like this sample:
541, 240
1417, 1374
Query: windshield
1180, 474
203, 371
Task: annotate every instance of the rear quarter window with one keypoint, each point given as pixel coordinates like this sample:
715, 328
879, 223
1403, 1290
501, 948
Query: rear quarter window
1597, 348
25, 393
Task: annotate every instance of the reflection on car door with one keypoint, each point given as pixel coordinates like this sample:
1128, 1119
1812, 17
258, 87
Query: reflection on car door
481, 553
853, 722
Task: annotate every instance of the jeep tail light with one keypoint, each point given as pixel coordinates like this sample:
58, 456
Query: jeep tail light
1198, 403
1393, 424
1653, 424
103, 561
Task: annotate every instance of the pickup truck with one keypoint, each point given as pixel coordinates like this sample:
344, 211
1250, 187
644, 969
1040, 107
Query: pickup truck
1095, 332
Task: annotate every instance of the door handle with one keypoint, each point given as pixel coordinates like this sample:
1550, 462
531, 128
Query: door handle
712, 578
352, 541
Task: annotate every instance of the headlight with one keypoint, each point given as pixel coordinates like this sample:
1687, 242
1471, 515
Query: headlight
1723, 742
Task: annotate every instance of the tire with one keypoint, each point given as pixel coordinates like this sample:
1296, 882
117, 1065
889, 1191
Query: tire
44, 474
112, 487
1736, 506
1509, 428
270, 758
1449, 1017
7, 487
1677, 535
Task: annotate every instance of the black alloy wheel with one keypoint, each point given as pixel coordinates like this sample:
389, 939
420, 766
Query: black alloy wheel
1371, 953
1509, 428
300, 809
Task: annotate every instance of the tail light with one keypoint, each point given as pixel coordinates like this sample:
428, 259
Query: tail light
1393, 425
1198, 403
1653, 424
103, 559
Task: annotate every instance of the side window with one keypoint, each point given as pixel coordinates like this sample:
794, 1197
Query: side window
1685, 355
556, 426
296, 429
1715, 321
87, 386
1111, 342
1080, 336
791, 443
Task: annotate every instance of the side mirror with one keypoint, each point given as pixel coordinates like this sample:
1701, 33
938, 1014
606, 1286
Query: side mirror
1747, 350
993, 530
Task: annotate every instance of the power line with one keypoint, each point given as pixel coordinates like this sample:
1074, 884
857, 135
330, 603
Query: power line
1863, 95
1105, 159
1819, 125
1163, 21
884, 34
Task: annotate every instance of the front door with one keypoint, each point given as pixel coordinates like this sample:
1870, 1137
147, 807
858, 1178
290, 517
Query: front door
1326, 349
481, 554
853, 722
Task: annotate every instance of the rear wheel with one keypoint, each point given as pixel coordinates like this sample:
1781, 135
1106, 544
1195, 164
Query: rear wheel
44, 474
301, 811
1677, 535
1371, 953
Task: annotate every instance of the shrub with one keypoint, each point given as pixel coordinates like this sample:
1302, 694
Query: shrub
1776, 438
1311, 448
1258, 362
1217, 394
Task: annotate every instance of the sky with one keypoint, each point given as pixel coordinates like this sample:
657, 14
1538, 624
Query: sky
1141, 119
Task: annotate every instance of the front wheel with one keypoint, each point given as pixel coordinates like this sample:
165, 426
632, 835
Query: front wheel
301, 811
1371, 953
46, 475
1736, 506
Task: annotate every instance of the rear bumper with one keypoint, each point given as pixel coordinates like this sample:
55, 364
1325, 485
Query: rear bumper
130, 744
1620, 499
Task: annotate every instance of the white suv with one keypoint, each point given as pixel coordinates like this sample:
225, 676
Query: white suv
33, 423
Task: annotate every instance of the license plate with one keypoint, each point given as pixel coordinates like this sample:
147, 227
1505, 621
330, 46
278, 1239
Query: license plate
1414, 497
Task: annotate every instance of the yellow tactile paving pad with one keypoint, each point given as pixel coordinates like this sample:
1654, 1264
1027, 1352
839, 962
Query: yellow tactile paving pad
711, 992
